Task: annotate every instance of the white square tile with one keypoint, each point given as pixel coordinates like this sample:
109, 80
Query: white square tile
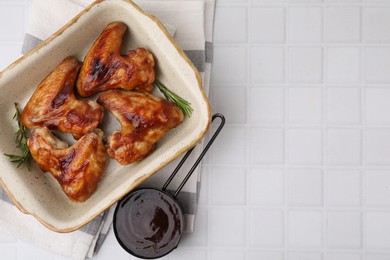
266, 186
8, 252
223, 254
266, 228
231, 102
305, 187
267, 64
268, 24
305, 229
230, 146
377, 230
266, 105
224, 223
230, 25
261, 255
343, 146
344, 229
7, 239
343, 1
343, 105
234, 1
14, 13
305, 146
304, 256
13, 53
188, 254
377, 147
377, 256
223, 180
305, 64
376, 188
305, 1
377, 64
230, 65
343, 23
343, 256
269, 1
375, 24
305, 105
343, 188
343, 64
305, 24
266, 145
377, 106
96, 257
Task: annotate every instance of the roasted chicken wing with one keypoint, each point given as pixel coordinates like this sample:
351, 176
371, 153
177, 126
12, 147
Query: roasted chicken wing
55, 106
144, 120
105, 68
77, 168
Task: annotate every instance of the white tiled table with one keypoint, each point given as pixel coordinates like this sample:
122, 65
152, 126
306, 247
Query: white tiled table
302, 169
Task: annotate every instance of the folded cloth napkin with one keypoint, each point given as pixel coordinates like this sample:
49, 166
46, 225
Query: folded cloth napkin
191, 22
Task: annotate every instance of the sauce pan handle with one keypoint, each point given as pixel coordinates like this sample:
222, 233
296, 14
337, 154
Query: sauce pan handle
217, 115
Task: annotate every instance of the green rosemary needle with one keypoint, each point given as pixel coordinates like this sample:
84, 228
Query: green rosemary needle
21, 142
183, 104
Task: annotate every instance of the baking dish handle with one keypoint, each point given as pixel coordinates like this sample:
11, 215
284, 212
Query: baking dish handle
222, 123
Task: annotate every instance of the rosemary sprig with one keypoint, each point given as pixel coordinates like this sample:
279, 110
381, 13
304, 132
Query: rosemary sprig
21, 142
183, 104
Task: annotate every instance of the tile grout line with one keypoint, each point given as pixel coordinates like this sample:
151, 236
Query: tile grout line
363, 124
280, 207
248, 129
324, 127
324, 132
286, 233
208, 212
248, 210
312, 126
306, 166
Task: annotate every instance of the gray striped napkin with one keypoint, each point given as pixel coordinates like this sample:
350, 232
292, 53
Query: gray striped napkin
192, 25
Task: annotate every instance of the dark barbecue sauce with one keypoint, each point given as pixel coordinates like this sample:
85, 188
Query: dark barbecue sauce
148, 223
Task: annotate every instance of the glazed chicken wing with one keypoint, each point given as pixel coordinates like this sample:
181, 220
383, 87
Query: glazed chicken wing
55, 106
77, 168
105, 68
144, 120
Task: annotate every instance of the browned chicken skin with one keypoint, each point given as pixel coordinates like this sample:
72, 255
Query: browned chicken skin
77, 168
55, 106
144, 119
105, 68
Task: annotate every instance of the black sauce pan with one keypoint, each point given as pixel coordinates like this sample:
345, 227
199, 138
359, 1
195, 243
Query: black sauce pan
148, 223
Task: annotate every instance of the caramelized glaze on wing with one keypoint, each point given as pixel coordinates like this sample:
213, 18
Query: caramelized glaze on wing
55, 106
105, 68
144, 120
77, 168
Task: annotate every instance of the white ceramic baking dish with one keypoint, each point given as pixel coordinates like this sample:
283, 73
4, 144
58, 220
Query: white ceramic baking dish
37, 193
